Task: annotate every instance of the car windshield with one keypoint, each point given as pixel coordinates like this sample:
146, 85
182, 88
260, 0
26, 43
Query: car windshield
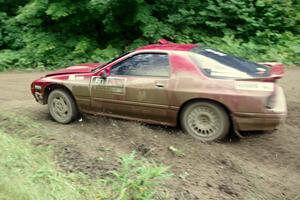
116, 58
220, 65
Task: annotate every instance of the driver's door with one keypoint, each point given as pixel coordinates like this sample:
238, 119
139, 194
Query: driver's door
107, 93
137, 87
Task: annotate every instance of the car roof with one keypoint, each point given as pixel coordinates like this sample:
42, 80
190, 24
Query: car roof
165, 45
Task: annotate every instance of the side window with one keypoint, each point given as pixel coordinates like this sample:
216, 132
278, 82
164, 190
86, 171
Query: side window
146, 64
122, 67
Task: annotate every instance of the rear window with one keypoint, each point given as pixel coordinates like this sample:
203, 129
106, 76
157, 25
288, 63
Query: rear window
220, 65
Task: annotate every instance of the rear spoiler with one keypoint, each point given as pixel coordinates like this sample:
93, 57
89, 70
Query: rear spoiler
276, 72
276, 69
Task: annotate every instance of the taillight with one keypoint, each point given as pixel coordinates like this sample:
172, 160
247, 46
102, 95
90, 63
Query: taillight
271, 100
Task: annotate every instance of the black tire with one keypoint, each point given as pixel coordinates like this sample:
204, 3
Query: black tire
62, 106
205, 121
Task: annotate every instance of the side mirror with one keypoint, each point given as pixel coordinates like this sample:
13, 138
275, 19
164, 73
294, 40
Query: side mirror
103, 75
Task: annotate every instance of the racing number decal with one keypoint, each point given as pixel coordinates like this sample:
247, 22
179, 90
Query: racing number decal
99, 81
110, 84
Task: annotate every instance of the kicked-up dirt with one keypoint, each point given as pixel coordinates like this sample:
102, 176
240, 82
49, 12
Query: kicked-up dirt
260, 166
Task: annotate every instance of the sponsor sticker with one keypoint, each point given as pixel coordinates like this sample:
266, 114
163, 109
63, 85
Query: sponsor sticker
79, 78
75, 78
71, 77
254, 86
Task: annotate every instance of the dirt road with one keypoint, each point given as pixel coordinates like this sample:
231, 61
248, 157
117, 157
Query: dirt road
263, 166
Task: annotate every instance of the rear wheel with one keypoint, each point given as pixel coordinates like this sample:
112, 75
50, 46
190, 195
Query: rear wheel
206, 121
61, 106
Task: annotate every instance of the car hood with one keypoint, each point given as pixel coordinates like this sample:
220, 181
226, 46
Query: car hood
76, 69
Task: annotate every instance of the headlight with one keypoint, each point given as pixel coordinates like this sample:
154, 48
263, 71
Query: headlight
37, 88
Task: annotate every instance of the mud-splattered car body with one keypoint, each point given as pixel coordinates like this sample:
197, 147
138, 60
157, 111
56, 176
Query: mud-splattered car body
253, 102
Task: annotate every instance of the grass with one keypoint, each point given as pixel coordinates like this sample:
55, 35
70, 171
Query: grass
136, 179
29, 172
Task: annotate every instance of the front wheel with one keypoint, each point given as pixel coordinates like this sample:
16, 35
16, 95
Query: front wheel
61, 106
206, 121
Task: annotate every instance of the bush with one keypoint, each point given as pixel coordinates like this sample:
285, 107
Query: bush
286, 50
136, 179
50, 34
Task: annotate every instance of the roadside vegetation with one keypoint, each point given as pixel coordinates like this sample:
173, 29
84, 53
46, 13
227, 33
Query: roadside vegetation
42, 34
28, 171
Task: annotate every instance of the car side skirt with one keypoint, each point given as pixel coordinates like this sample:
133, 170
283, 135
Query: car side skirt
172, 123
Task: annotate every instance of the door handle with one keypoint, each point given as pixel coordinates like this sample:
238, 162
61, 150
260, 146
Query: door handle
159, 85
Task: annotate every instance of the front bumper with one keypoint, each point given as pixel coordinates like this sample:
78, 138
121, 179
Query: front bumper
39, 98
269, 120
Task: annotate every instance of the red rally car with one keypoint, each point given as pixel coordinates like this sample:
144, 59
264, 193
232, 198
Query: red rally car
204, 91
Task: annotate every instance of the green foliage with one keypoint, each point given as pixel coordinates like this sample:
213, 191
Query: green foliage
48, 34
286, 50
136, 179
